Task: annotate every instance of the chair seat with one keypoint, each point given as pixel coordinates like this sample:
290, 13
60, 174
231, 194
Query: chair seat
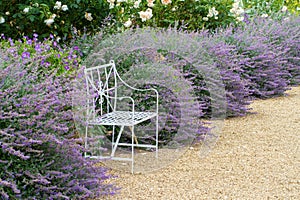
122, 118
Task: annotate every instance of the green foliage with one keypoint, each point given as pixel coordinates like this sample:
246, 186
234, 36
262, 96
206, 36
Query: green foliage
272, 8
49, 54
60, 18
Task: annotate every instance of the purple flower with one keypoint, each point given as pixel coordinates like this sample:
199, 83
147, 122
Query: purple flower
25, 55
29, 42
47, 64
38, 48
54, 43
76, 48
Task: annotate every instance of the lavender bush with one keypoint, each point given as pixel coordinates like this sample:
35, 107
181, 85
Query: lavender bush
283, 36
267, 56
40, 155
237, 88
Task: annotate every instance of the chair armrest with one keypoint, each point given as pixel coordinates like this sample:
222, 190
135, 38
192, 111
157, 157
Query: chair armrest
142, 90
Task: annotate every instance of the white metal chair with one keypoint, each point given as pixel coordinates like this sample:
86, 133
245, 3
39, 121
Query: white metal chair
102, 84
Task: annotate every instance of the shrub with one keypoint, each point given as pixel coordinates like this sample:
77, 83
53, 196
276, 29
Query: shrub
59, 18
40, 155
263, 60
187, 14
227, 60
271, 8
283, 36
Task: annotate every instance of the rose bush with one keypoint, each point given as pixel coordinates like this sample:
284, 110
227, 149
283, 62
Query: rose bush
195, 14
60, 18
188, 14
271, 8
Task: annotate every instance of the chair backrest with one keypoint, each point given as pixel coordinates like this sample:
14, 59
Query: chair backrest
101, 85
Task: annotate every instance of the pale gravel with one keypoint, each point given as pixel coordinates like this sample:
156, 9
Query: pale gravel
256, 157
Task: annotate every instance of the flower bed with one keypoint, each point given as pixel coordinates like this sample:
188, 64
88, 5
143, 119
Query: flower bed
41, 153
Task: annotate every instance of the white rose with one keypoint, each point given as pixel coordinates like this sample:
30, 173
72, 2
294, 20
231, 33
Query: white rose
166, 2
174, 8
284, 9
128, 23
7, 13
235, 5
149, 10
240, 11
136, 4
146, 15
57, 5
150, 3
88, 16
240, 19
49, 21
205, 19
232, 10
64, 8
26, 10
214, 11
2, 20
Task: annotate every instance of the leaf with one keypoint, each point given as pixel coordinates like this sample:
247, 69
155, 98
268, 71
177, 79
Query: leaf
73, 5
44, 5
31, 18
42, 15
17, 15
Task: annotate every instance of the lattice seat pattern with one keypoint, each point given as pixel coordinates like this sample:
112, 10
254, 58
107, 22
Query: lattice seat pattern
122, 118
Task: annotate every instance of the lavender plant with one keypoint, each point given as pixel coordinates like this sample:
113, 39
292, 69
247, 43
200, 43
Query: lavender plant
285, 36
237, 88
265, 62
40, 154
49, 54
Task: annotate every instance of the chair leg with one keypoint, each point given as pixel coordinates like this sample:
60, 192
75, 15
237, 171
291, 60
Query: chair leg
85, 139
156, 137
117, 142
135, 138
113, 137
132, 148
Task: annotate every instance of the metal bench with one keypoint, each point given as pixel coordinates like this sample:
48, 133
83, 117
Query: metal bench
102, 84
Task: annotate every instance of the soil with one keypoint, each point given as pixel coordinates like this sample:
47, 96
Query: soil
256, 157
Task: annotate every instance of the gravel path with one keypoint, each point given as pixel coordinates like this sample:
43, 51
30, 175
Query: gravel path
256, 157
